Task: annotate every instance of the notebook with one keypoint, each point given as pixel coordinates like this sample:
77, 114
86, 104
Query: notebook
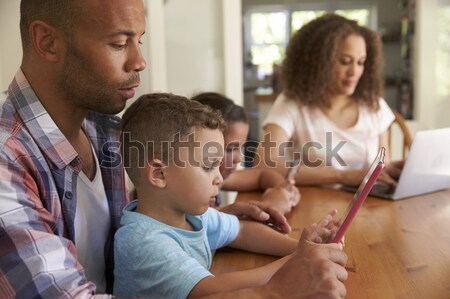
426, 169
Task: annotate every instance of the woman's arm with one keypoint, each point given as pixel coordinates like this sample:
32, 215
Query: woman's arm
392, 169
268, 156
253, 179
384, 142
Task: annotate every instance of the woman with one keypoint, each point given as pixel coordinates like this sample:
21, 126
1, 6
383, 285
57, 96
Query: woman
279, 192
331, 108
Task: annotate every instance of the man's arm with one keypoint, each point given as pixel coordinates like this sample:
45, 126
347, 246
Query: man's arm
258, 211
34, 261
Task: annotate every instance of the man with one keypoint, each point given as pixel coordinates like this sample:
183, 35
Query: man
61, 193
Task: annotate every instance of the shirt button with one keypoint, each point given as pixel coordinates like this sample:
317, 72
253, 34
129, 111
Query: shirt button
68, 195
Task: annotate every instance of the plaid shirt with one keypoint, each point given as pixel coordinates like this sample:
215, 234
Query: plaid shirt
38, 176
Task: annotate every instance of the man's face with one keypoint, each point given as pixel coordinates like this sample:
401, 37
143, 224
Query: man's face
103, 58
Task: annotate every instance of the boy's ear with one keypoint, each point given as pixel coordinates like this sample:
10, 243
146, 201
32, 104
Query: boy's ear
154, 173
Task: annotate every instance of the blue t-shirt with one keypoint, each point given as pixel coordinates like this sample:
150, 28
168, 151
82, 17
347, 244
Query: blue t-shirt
153, 259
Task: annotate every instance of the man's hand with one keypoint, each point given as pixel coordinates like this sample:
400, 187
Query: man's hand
314, 271
259, 211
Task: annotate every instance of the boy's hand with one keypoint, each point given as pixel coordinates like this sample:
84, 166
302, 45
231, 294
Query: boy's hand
295, 193
325, 229
283, 197
258, 211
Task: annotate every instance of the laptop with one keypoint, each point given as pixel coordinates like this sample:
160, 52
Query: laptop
426, 169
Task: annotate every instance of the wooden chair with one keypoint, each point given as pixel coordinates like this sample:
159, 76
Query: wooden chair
407, 139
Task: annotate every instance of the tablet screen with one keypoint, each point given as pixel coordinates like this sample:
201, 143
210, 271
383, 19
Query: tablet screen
360, 195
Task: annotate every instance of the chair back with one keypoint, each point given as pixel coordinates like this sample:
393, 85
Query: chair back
407, 139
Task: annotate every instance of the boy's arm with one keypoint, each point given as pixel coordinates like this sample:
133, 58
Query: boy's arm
231, 281
313, 271
259, 238
252, 236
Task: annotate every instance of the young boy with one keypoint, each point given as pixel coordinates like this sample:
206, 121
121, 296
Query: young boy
172, 149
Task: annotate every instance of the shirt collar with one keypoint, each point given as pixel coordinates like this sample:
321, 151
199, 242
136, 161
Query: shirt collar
39, 123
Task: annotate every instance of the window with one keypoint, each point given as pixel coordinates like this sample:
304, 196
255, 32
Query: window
300, 18
268, 41
443, 52
268, 29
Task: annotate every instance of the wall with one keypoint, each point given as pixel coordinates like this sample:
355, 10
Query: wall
196, 52
193, 45
187, 46
10, 46
432, 109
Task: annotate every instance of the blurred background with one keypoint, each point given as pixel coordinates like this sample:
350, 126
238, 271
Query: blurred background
234, 47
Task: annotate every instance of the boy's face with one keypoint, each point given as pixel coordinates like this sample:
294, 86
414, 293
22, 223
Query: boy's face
235, 138
193, 177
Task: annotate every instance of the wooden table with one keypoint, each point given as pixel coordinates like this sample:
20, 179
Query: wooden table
396, 249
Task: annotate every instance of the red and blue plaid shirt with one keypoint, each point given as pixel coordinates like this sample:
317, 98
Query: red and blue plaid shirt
38, 176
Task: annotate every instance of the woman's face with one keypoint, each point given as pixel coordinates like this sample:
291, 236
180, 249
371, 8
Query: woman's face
235, 137
349, 66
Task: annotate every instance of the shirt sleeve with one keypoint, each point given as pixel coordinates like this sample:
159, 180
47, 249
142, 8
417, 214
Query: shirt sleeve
221, 228
34, 261
385, 117
153, 264
284, 113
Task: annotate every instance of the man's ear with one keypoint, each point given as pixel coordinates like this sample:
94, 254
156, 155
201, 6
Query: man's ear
44, 40
154, 172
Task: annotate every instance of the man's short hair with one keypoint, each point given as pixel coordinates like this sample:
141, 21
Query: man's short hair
61, 14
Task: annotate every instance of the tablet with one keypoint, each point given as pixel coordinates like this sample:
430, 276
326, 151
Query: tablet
360, 195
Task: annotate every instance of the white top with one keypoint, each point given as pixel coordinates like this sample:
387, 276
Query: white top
92, 226
322, 142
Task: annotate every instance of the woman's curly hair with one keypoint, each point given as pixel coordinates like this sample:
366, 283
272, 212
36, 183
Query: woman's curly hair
312, 52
